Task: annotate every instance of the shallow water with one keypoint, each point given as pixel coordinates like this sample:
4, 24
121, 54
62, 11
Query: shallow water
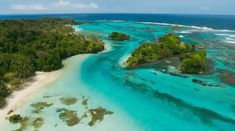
145, 98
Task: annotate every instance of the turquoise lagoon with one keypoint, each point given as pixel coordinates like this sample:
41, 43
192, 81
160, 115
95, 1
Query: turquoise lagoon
144, 99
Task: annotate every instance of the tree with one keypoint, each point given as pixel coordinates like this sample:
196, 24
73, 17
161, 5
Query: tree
194, 63
48, 61
119, 36
28, 45
22, 65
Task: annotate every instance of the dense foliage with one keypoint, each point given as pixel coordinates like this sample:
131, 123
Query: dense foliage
193, 61
28, 45
167, 46
119, 36
15, 118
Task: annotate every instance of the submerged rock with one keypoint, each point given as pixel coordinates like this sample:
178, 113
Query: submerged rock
98, 115
209, 67
174, 72
175, 27
85, 102
23, 124
9, 112
163, 63
15, 119
37, 123
204, 83
38, 107
227, 77
69, 116
46, 97
68, 100
149, 29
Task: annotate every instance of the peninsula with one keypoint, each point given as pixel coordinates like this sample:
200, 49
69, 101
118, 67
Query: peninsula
29, 45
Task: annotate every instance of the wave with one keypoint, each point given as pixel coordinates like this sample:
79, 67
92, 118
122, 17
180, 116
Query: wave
123, 59
228, 38
110, 20
77, 29
187, 31
118, 20
198, 28
228, 35
108, 47
229, 41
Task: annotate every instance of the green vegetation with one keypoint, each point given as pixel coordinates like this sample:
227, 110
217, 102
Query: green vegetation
2, 101
193, 61
167, 46
27, 46
15, 118
118, 36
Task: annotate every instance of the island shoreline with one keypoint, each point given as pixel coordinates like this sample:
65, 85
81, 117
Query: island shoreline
40, 81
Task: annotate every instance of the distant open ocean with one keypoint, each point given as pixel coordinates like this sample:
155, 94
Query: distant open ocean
212, 21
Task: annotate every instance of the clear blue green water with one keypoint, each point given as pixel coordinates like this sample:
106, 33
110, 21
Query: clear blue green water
145, 98
179, 102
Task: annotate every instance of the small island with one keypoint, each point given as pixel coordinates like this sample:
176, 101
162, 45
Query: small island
119, 36
29, 45
193, 61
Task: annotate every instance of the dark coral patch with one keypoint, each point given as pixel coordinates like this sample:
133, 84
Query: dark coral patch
69, 116
227, 77
68, 100
37, 123
98, 114
38, 107
23, 124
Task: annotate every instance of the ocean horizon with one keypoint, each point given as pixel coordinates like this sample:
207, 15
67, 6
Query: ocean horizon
202, 20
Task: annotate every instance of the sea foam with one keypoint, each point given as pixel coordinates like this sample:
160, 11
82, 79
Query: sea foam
199, 28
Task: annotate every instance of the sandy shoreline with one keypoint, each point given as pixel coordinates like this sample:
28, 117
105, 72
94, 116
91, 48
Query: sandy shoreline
40, 81
17, 98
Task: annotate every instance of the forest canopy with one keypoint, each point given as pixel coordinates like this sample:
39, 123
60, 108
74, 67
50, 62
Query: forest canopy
28, 45
192, 61
118, 36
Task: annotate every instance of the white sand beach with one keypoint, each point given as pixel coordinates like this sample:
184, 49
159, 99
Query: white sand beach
40, 80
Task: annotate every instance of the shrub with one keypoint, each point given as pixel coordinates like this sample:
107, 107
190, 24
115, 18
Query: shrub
119, 36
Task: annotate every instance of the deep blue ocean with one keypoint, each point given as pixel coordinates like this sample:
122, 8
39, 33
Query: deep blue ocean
212, 21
